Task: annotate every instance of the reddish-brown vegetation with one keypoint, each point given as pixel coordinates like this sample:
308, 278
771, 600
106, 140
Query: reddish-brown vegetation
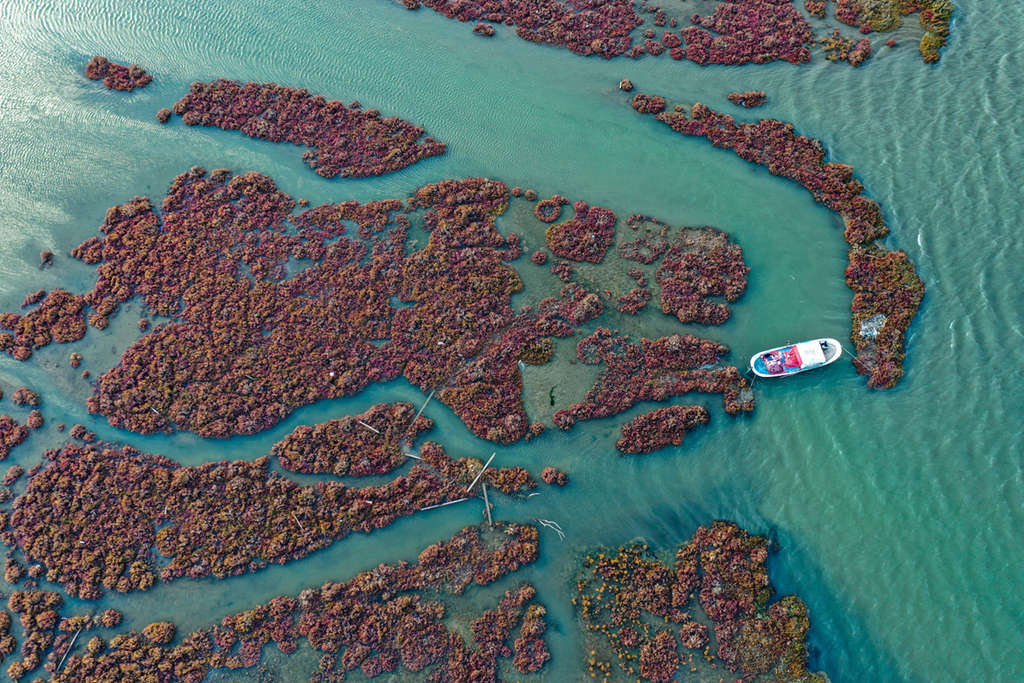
368, 443
94, 514
701, 263
636, 605
585, 28
659, 428
585, 237
59, 318
345, 141
11, 434
117, 76
748, 98
652, 371
377, 621
755, 31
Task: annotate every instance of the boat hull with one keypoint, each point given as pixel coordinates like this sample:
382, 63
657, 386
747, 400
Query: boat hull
783, 361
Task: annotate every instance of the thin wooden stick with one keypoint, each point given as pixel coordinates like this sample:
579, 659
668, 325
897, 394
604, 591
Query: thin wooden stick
298, 522
441, 505
408, 453
372, 429
487, 506
68, 651
480, 473
423, 407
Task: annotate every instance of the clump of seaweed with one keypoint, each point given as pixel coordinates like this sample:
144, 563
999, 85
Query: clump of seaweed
701, 263
343, 140
11, 434
756, 31
586, 237
659, 428
553, 475
39, 616
59, 318
748, 98
652, 370
368, 443
642, 609
23, 396
887, 15
95, 513
117, 76
887, 292
377, 621
584, 28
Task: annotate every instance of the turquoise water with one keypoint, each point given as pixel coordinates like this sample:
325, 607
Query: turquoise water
897, 513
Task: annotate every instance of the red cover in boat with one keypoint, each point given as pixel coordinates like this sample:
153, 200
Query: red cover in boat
792, 358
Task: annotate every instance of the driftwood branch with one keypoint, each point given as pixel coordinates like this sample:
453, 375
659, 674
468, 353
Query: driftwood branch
553, 526
441, 505
68, 651
480, 473
372, 429
487, 506
407, 452
423, 407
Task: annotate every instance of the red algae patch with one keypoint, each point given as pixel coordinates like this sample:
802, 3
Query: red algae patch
553, 475
117, 76
889, 292
548, 210
586, 237
377, 621
582, 27
368, 443
633, 301
485, 30
60, 318
344, 141
839, 48
11, 434
653, 371
755, 31
700, 264
23, 396
638, 610
243, 347
748, 98
95, 514
7, 641
660, 428
735, 32
645, 104
650, 246
39, 616
887, 15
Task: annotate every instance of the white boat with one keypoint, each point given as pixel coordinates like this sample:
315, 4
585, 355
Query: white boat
793, 358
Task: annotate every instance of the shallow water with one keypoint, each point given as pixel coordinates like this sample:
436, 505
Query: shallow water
897, 513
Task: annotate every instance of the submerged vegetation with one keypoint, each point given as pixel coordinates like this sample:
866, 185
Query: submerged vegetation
712, 600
